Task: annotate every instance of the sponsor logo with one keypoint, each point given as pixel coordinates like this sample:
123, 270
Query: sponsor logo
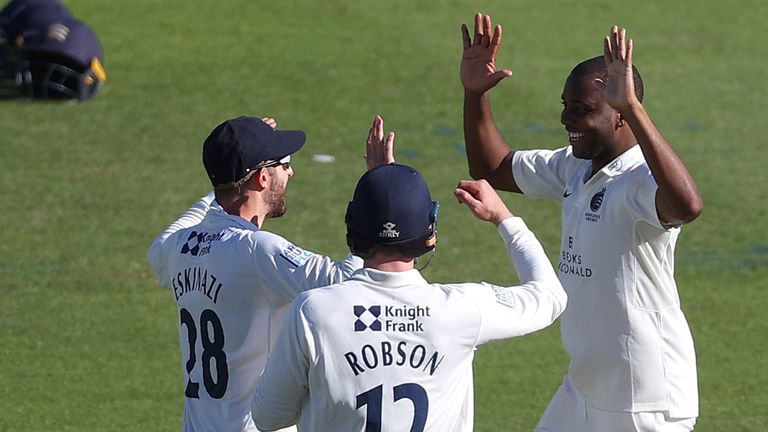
389, 231
59, 32
390, 318
199, 243
572, 264
567, 193
370, 320
505, 296
295, 255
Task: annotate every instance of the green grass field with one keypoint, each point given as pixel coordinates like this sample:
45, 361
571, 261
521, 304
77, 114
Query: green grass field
89, 340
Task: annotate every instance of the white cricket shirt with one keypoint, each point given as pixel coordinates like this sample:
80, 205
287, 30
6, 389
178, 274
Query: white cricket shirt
628, 340
389, 351
232, 283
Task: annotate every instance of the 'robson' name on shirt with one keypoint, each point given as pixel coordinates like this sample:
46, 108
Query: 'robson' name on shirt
414, 356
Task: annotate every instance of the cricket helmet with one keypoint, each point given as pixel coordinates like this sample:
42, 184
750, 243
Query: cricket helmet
48, 54
392, 206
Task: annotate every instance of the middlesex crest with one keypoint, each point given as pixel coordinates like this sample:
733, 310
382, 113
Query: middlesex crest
594, 204
597, 200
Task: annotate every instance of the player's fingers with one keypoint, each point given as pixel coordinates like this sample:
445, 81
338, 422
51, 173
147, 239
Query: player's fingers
478, 28
389, 146
270, 121
379, 131
464, 197
476, 207
465, 36
369, 140
607, 50
469, 186
622, 41
500, 75
372, 132
486, 41
630, 47
615, 42
495, 41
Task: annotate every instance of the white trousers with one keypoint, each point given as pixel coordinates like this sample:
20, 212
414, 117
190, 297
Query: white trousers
569, 412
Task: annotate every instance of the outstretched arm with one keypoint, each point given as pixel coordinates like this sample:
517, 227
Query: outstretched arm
540, 299
678, 200
489, 157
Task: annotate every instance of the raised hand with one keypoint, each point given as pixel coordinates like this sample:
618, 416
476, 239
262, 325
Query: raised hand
378, 149
478, 63
619, 91
482, 200
270, 121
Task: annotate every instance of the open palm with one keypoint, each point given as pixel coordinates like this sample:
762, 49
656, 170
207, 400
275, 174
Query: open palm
619, 91
478, 62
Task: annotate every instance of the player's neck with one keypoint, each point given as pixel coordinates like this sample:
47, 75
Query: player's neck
389, 263
250, 208
257, 215
624, 142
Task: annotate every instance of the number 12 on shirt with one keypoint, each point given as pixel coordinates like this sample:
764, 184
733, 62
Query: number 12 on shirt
373, 399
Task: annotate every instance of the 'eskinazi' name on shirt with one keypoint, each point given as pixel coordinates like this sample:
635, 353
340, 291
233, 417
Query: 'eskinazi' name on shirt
196, 279
415, 357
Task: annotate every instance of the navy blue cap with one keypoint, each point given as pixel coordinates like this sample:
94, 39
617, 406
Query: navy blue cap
66, 37
391, 205
26, 18
236, 146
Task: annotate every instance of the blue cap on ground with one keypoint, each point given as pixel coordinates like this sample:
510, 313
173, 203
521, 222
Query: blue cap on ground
26, 18
68, 38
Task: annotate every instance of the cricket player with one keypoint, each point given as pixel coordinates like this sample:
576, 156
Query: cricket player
230, 278
386, 350
625, 193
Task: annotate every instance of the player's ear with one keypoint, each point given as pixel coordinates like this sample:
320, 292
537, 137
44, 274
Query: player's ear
259, 181
619, 121
262, 178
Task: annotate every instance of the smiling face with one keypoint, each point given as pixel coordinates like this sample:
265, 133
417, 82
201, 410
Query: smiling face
588, 119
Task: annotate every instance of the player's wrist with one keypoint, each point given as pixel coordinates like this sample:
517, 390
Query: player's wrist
501, 217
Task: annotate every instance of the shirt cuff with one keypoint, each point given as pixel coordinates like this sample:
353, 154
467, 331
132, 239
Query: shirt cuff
511, 227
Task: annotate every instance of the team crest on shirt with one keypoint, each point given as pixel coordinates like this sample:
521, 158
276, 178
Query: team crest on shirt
594, 204
295, 255
390, 318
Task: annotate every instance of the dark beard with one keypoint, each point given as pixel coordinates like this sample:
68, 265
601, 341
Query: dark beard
276, 200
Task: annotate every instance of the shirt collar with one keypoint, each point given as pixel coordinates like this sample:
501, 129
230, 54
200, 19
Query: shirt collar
389, 279
623, 162
219, 215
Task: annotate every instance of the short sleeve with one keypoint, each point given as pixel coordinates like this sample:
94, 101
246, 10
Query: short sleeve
287, 269
641, 196
542, 174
